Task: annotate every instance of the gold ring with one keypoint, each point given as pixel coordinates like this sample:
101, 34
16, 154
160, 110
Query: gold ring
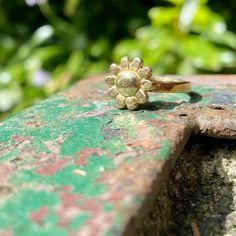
130, 82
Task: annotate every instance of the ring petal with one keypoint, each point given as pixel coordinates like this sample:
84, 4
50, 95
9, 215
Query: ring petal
131, 103
146, 84
113, 92
124, 63
110, 80
114, 69
145, 72
141, 97
120, 101
136, 64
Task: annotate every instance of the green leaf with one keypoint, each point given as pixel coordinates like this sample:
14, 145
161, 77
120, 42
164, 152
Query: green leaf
205, 20
74, 62
9, 97
226, 38
42, 34
129, 47
176, 2
99, 48
203, 54
71, 7
49, 57
96, 68
227, 58
187, 14
17, 72
161, 16
180, 2
147, 33
7, 47
186, 67
5, 78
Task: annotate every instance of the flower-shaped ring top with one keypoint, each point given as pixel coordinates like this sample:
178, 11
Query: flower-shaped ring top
129, 82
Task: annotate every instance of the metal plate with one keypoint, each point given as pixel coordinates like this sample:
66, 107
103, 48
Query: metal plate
75, 165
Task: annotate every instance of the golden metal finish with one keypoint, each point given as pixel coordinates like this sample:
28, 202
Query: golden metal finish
129, 83
169, 85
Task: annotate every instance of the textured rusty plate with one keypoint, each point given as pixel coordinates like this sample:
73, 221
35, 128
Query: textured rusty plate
75, 165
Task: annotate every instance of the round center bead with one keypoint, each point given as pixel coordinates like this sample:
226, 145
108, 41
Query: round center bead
128, 83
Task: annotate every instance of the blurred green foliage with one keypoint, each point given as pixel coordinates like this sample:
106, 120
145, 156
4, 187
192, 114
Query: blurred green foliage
184, 38
46, 45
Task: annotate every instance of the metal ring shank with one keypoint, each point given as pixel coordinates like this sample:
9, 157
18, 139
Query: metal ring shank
169, 85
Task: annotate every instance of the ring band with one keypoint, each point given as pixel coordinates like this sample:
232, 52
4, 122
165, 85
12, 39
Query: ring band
169, 85
130, 82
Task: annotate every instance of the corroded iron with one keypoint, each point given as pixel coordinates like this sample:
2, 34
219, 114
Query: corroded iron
75, 165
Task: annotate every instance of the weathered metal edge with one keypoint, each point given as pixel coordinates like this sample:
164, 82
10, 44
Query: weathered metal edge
213, 116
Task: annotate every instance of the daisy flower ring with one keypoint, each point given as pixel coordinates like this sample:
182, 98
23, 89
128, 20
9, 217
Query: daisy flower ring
130, 82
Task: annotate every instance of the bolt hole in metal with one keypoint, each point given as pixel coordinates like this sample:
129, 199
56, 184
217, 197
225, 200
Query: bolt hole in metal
217, 107
183, 114
200, 193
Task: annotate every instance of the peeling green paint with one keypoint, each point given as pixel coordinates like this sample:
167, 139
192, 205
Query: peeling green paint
71, 163
15, 213
165, 150
108, 207
79, 220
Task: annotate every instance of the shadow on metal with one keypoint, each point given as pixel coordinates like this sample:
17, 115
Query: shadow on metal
156, 105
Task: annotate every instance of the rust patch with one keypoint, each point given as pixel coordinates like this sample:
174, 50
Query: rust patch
39, 215
20, 138
6, 233
5, 190
125, 155
51, 168
213, 120
6, 170
83, 155
33, 124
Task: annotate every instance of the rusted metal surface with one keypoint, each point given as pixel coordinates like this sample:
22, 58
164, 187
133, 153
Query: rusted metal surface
75, 165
